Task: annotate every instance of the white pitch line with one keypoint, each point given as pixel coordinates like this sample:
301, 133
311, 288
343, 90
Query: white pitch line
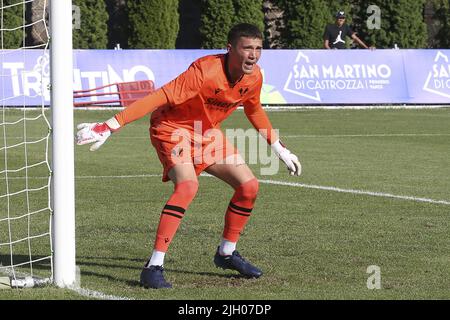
120, 177
91, 177
300, 185
370, 135
281, 183
307, 135
353, 191
97, 294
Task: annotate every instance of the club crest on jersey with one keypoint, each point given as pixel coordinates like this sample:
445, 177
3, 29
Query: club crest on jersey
243, 91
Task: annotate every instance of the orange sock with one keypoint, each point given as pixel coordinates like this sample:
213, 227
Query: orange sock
173, 212
239, 210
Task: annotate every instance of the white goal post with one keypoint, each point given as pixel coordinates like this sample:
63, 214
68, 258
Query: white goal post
63, 143
37, 176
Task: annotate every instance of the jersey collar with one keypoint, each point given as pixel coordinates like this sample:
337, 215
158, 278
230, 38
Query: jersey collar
227, 74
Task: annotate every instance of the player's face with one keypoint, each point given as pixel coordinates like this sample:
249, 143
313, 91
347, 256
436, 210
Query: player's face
244, 55
340, 21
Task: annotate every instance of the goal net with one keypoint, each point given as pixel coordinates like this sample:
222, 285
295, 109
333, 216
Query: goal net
27, 171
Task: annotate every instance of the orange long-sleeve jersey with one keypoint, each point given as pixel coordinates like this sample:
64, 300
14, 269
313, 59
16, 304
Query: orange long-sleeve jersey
203, 93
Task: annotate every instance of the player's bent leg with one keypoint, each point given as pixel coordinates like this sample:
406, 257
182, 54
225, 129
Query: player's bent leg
182, 172
234, 171
239, 209
245, 185
185, 189
240, 177
173, 212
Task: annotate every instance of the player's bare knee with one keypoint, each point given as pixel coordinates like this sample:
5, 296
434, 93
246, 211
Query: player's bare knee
249, 189
187, 189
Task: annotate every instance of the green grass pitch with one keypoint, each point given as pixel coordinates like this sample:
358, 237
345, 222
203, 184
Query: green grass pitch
310, 243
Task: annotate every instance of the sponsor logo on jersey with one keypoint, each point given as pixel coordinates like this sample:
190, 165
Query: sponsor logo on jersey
222, 104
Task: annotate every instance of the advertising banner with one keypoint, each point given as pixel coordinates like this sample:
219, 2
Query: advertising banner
291, 77
427, 74
338, 76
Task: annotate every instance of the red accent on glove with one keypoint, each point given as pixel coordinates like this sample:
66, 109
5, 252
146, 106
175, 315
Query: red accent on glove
101, 128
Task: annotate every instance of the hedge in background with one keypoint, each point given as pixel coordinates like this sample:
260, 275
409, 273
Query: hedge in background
249, 11
442, 15
402, 23
93, 26
305, 23
13, 18
218, 16
153, 24
216, 19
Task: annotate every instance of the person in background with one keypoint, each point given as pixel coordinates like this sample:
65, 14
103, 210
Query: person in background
335, 35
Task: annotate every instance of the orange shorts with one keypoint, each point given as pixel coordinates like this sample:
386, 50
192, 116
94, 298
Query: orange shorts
180, 144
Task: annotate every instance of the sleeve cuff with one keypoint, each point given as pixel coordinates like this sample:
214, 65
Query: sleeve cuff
113, 124
278, 147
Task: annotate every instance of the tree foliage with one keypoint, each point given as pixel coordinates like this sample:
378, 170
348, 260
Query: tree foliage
153, 24
305, 21
216, 20
92, 32
13, 21
442, 16
218, 16
249, 11
402, 23
205, 23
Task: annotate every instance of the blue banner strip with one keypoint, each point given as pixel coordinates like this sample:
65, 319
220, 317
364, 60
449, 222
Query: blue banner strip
292, 77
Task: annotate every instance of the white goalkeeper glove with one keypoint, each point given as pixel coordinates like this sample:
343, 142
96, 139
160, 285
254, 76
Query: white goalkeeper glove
289, 159
96, 133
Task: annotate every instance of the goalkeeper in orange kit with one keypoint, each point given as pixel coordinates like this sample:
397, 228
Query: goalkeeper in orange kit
184, 113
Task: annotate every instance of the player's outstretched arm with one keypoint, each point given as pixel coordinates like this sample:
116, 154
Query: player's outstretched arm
97, 133
290, 160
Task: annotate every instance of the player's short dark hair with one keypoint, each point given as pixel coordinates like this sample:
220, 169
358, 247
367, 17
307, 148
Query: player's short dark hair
244, 30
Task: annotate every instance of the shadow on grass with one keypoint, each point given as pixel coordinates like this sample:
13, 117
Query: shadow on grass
81, 261
133, 283
215, 274
23, 262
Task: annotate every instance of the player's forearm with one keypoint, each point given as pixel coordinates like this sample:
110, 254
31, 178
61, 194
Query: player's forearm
97, 133
142, 107
260, 121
